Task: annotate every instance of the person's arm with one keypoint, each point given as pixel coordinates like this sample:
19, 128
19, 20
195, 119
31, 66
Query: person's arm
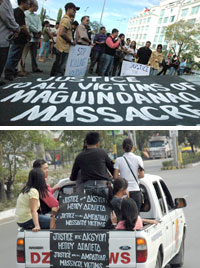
149, 221
111, 44
116, 173
7, 16
109, 164
34, 207
75, 171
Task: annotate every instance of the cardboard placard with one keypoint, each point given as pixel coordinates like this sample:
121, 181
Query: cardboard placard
81, 211
82, 249
77, 61
133, 68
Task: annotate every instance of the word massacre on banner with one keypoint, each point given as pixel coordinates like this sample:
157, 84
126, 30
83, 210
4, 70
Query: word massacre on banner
133, 68
77, 61
101, 101
86, 246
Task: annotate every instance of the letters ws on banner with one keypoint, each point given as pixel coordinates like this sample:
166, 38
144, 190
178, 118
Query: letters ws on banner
136, 69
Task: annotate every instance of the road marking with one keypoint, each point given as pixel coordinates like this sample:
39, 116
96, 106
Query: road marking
185, 196
7, 222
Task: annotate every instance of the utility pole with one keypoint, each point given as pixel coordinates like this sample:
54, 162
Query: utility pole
102, 13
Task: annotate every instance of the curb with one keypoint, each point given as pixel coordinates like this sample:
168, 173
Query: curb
7, 214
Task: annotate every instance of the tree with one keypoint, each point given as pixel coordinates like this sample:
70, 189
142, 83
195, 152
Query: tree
185, 35
17, 151
191, 136
43, 15
59, 16
95, 26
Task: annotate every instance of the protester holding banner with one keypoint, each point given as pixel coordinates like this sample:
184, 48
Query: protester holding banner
64, 40
131, 167
131, 52
8, 29
155, 60
24, 36
98, 49
35, 29
107, 59
93, 163
144, 54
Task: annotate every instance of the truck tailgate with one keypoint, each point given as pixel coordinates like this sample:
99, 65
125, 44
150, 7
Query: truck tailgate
37, 249
122, 249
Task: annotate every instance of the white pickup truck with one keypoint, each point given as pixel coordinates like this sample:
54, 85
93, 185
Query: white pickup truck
154, 246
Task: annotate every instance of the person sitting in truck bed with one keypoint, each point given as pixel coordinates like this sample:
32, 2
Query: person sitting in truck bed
48, 201
28, 202
120, 190
94, 164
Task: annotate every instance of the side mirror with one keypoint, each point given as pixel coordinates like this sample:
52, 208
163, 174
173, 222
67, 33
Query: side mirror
180, 203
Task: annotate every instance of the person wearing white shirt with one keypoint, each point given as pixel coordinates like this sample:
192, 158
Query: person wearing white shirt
130, 167
131, 52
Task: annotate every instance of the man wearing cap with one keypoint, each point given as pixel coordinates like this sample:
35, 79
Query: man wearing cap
64, 40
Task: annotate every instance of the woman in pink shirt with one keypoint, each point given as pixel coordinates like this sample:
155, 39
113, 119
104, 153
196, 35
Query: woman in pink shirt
130, 219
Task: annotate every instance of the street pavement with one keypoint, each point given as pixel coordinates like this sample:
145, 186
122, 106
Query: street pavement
182, 183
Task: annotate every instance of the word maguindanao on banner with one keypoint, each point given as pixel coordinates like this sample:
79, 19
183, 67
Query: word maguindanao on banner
135, 69
77, 61
101, 101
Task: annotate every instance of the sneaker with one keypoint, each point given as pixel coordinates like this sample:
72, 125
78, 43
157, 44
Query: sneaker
22, 74
38, 71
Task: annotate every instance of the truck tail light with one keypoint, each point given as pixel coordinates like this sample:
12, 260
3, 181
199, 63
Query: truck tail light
141, 250
20, 250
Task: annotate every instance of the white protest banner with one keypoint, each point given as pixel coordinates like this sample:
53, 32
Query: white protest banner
77, 61
136, 69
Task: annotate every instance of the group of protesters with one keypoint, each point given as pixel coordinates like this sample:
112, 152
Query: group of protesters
95, 174
23, 28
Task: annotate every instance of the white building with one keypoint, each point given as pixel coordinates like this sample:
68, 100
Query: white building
150, 24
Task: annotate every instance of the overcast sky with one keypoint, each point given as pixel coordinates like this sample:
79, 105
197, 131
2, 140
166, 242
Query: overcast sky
116, 13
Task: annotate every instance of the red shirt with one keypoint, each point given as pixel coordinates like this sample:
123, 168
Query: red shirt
111, 44
50, 200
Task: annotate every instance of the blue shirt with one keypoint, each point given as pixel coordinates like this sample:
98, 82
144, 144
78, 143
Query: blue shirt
100, 38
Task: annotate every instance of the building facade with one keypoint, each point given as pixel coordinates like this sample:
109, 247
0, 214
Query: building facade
150, 24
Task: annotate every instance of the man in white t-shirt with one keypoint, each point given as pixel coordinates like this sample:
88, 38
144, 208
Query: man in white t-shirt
130, 167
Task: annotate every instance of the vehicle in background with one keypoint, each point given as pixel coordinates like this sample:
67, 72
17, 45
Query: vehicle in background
160, 147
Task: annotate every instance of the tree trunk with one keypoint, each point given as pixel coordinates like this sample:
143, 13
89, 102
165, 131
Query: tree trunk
2, 191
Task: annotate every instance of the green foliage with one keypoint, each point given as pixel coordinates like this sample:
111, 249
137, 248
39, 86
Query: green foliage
43, 15
185, 35
167, 163
191, 136
95, 26
59, 16
189, 158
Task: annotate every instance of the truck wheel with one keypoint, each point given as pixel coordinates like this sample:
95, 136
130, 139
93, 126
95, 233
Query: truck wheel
158, 261
179, 258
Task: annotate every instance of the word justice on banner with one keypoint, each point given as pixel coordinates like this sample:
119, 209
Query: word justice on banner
135, 69
101, 101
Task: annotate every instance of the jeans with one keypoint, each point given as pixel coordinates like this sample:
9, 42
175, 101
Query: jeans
94, 59
44, 46
14, 57
97, 187
172, 71
106, 65
153, 71
58, 68
3, 57
137, 197
44, 222
181, 71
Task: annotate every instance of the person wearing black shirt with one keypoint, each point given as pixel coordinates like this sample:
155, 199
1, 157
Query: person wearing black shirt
93, 164
144, 53
24, 36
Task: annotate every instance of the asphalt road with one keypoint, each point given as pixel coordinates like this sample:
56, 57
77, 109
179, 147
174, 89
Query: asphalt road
182, 183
